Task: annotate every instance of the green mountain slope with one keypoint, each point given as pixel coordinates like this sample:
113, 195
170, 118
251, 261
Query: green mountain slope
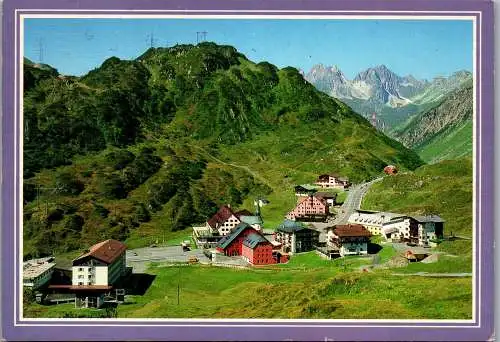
140, 150
444, 189
449, 144
445, 131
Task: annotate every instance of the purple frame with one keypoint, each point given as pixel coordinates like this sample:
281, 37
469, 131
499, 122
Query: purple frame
481, 329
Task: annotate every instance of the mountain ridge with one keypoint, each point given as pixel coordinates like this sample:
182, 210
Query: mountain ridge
129, 145
378, 89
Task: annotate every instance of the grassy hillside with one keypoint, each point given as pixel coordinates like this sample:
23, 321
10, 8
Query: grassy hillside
444, 189
443, 131
307, 287
140, 150
451, 144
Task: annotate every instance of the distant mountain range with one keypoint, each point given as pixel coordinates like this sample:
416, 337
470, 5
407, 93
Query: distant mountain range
392, 97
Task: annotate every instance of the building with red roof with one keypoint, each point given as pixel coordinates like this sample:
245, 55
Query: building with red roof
97, 270
223, 222
102, 265
349, 239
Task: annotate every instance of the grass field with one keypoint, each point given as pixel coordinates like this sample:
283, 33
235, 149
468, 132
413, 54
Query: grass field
448, 145
307, 287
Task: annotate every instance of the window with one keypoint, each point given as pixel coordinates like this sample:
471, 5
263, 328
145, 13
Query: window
80, 283
80, 269
80, 276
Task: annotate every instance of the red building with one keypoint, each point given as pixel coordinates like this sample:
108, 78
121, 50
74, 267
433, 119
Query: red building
257, 250
390, 170
231, 245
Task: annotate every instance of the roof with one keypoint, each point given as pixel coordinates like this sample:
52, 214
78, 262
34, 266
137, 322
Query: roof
253, 239
379, 215
326, 195
306, 187
243, 212
106, 251
220, 217
251, 219
36, 267
82, 287
428, 218
390, 230
226, 240
349, 230
335, 175
289, 226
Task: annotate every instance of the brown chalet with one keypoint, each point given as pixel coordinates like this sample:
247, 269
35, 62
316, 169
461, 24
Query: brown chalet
332, 180
348, 239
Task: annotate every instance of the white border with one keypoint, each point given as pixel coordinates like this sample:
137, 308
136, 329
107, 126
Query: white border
408, 323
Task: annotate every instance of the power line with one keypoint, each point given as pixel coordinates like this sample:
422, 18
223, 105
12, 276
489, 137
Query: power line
40, 50
151, 39
201, 36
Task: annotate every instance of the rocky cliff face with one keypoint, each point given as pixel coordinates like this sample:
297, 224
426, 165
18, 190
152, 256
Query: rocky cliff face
378, 85
453, 111
379, 90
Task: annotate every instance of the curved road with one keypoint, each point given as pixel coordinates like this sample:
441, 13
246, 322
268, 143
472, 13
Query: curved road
353, 201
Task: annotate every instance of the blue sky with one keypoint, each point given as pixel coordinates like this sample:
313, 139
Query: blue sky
423, 48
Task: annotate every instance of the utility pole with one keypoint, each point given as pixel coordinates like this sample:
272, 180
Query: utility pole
150, 38
39, 188
178, 285
201, 36
40, 50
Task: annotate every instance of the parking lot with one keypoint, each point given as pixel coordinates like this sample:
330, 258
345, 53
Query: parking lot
139, 258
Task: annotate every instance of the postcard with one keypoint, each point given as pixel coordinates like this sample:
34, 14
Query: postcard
247, 170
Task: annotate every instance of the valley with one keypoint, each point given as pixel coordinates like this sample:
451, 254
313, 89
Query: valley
140, 151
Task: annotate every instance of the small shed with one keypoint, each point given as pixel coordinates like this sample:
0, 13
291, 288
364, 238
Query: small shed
390, 170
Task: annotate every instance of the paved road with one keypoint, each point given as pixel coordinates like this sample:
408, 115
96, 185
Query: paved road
353, 201
139, 258
435, 275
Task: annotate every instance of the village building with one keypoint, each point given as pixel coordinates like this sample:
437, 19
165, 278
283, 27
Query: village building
430, 228
252, 219
37, 272
295, 237
305, 190
310, 208
350, 239
97, 271
374, 221
257, 250
231, 245
333, 180
223, 222
400, 229
328, 197
390, 170
421, 230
